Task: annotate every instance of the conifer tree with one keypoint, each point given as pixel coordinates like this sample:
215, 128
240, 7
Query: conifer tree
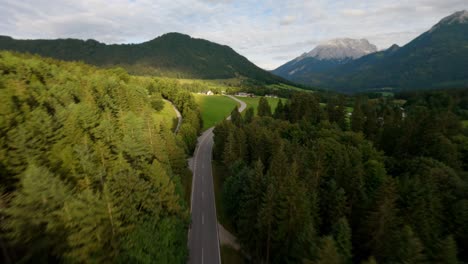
236, 117
249, 115
357, 117
328, 253
264, 108
448, 251
279, 111
342, 236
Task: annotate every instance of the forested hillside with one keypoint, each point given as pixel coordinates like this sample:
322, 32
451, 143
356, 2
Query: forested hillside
308, 184
87, 173
172, 54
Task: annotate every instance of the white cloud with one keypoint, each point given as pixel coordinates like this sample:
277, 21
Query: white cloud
353, 12
287, 20
267, 32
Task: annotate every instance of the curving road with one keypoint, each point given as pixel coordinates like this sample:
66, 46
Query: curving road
179, 116
203, 233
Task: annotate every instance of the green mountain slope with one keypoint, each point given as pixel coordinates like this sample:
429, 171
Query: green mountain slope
172, 54
436, 59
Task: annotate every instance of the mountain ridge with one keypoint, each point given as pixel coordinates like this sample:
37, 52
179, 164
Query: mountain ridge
327, 55
438, 58
171, 54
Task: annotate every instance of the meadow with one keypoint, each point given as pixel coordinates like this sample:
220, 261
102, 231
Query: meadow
214, 108
253, 102
166, 116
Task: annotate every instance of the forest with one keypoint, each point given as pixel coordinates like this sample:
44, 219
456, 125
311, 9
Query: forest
312, 184
87, 173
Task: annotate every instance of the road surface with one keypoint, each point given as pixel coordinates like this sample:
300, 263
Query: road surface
203, 233
179, 116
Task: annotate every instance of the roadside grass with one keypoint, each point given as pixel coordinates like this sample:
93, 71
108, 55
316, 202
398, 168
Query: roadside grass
231, 256
253, 102
214, 108
220, 173
166, 116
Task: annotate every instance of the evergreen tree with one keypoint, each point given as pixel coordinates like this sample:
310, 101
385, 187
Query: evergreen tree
410, 247
328, 253
264, 108
342, 236
357, 117
34, 217
279, 111
249, 115
448, 251
236, 117
383, 224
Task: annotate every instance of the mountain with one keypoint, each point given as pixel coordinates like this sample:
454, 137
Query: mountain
171, 54
325, 56
437, 58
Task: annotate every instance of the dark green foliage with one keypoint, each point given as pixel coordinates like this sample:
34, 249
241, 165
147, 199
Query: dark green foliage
392, 190
357, 117
342, 237
249, 115
171, 54
328, 253
264, 108
448, 251
236, 117
96, 175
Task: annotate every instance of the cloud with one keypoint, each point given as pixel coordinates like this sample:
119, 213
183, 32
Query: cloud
267, 32
353, 12
287, 20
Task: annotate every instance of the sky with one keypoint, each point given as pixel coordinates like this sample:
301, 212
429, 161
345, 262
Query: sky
267, 32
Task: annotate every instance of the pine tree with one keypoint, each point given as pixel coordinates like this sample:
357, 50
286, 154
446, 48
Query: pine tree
383, 223
249, 115
328, 253
342, 236
448, 251
264, 108
34, 216
236, 117
92, 227
357, 117
279, 111
266, 218
410, 248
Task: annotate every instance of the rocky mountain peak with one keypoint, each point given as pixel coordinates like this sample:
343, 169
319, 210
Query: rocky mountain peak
460, 17
341, 48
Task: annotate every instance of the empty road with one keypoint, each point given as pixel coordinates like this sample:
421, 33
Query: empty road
203, 233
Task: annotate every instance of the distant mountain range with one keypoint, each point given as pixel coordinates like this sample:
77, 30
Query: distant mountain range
172, 54
436, 59
327, 55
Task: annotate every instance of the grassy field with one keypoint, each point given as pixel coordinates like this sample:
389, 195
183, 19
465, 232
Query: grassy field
214, 108
167, 116
253, 102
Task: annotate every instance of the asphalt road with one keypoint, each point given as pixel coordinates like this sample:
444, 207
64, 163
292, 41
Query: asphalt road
203, 234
